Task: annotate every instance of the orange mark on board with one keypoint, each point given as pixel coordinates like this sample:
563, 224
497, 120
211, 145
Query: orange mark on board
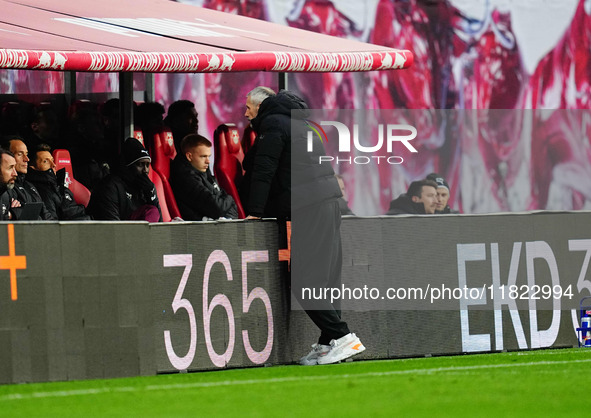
285, 254
12, 262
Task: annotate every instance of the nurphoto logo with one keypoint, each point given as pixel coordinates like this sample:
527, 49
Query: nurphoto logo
390, 135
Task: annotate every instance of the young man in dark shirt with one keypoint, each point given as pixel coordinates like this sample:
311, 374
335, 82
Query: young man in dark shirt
195, 189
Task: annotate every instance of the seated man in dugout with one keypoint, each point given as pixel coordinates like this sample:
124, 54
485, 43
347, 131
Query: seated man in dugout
420, 199
24, 191
51, 185
196, 191
8, 175
129, 195
443, 191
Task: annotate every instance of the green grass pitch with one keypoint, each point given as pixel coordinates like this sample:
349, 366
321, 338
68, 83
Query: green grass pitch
531, 383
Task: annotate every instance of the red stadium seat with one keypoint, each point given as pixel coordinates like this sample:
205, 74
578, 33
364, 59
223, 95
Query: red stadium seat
228, 161
248, 138
139, 135
158, 183
162, 152
62, 160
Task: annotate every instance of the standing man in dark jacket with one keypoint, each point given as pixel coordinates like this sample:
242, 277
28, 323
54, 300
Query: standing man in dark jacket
130, 195
288, 183
253, 103
58, 199
195, 189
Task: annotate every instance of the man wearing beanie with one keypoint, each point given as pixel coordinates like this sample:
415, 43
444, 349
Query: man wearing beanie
130, 195
442, 194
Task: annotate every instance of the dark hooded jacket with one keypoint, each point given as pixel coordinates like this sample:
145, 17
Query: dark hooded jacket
269, 167
404, 205
198, 194
58, 199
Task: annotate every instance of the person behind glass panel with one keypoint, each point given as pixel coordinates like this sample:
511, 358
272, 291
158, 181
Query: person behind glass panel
182, 120
130, 194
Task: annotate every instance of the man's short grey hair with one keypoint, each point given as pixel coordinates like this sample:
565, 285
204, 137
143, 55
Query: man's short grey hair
260, 93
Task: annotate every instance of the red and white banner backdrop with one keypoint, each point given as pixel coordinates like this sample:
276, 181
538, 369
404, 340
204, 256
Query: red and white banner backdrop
491, 54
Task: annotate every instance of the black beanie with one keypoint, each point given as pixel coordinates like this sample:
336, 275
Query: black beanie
133, 150
437, 178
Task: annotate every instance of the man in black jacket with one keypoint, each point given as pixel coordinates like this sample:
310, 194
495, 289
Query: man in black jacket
195, 189
287, 182
24, 191
253, 102
268, 167
8, 176
58, 199
420, 199
130, 195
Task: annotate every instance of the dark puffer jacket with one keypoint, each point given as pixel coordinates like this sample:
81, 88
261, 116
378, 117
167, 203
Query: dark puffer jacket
58, 199
270, 171
118, 196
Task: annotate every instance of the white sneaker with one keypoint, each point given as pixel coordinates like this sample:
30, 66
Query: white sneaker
318, 350
341, 349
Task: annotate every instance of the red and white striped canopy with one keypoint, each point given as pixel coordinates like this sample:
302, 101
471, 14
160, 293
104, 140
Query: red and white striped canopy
165, 36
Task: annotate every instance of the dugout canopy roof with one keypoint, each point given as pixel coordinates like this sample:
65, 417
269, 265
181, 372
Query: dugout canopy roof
165, 36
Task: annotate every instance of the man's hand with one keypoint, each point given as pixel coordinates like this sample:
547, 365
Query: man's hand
13, 204
252, 217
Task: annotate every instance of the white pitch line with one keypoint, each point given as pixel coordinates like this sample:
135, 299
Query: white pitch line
195, 385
